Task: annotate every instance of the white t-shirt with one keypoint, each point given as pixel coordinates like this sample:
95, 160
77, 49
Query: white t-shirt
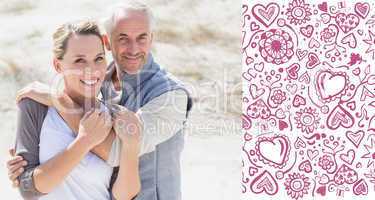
89, 180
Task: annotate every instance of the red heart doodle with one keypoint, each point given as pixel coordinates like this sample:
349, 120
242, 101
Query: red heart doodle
259, 109
339, 117
299, 101
350, 40
355, 137
321, 190
293, 71
265, 182
266, 15
348, 157
331, 85
307, 31
362, 9
313, 61
282, 125
360, 188
323, 6
347, 22
305, 166
345, 174
273, 151
301, 54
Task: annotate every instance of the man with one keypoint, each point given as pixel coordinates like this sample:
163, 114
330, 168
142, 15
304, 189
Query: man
135, 81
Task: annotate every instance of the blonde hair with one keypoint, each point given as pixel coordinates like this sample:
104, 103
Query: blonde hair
133, 5
65, 31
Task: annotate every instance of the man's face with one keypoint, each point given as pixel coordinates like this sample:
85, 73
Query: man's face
131, 41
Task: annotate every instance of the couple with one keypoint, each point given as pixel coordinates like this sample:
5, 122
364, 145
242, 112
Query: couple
115, 132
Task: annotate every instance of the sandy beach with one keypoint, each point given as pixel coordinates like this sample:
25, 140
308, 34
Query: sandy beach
198, 41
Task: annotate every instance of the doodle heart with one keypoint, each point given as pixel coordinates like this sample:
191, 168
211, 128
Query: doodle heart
249, 75
292, 88
299, 143
345, 174
362, 9
292, 71
298, 101
266, 14
304, 78
348, 157
347, 22
323, 6
350, 40
258, 109
283, 125
305, 166
355, 137
264, 182
307, 31
314, 43
360, 187
301, 54
256, 92
339, 117
331, 85
313, 60
274, 150
312, 154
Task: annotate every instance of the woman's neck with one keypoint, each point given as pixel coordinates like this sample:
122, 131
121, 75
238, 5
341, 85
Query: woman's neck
83, 102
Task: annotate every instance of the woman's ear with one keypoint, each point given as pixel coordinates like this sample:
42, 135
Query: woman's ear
106, 43
57, 65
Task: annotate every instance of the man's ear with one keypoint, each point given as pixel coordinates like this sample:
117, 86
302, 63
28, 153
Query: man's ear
57, 65
107, 45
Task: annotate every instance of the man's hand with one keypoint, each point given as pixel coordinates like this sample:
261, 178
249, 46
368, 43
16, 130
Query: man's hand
37, 91
15, 167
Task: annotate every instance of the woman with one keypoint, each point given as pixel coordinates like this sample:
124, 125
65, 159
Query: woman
59, 163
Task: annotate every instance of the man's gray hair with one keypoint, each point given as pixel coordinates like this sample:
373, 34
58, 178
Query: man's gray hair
131, 5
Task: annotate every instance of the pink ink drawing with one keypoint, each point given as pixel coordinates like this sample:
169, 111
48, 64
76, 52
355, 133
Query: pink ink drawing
308, 99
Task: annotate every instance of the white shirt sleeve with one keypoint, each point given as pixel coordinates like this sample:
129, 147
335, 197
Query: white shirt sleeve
162, 117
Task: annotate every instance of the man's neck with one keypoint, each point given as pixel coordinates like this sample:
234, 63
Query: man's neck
115, 80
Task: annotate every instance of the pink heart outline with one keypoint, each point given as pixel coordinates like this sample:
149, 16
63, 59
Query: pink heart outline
266, 15
266, 147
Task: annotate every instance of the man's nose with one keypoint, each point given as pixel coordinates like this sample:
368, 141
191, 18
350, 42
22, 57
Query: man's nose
133, 48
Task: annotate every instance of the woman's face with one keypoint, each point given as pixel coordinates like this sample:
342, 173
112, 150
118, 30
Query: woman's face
83, 65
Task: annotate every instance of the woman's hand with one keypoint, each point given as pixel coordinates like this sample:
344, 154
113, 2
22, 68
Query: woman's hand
128, 127
94, 127
37, 91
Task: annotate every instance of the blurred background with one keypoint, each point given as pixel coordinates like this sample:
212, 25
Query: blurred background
196, 40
